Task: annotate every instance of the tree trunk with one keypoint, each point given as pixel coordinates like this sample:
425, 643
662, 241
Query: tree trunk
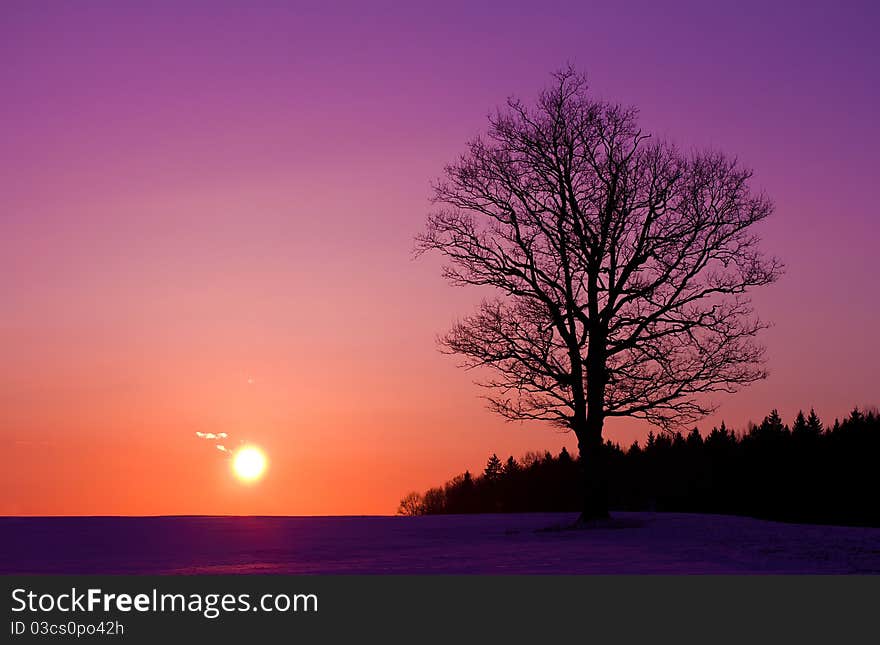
592, 451
594, 473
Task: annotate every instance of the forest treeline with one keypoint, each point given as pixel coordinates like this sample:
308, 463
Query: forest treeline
805, 472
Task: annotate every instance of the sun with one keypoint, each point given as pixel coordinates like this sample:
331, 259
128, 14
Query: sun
249, 463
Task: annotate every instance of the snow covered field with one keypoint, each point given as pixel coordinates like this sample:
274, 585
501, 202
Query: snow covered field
506, 544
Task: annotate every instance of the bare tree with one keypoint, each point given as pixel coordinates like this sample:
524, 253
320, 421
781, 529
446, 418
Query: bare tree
620, 267
412, 504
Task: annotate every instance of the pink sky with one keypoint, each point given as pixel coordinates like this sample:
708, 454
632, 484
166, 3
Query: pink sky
207, 213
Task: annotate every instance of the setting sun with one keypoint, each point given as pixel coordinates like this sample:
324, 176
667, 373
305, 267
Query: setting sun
249, 463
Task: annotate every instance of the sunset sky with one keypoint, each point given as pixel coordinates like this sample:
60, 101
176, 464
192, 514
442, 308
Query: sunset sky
207, 216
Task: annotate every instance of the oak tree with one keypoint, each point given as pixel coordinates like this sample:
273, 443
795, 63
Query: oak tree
620, 268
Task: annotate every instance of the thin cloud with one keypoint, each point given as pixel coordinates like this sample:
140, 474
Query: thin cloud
211, 435
216, 437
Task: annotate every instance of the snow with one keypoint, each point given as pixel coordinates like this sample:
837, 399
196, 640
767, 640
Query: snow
631, 543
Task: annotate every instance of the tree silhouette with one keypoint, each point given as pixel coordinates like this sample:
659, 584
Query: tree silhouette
411, 504
813, 423
493, 468
825, 477
511, 466
799, 427
620, 265
772, 424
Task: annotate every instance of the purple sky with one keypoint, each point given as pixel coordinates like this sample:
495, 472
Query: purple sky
197, 196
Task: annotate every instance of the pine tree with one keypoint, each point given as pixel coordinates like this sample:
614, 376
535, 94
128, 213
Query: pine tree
814, 423
772, 424
493, 468
800, 428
